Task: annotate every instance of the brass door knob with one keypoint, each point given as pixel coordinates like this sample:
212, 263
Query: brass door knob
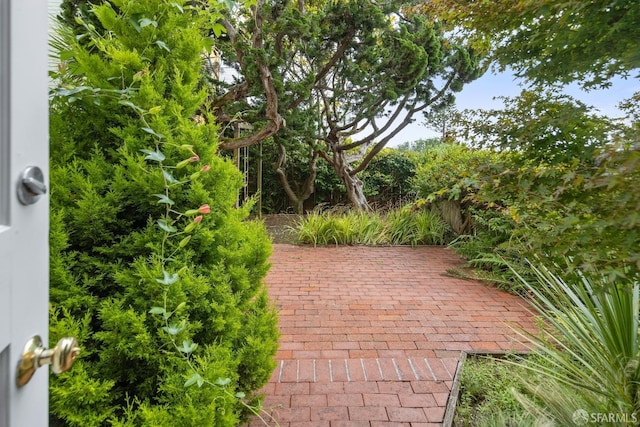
34, 355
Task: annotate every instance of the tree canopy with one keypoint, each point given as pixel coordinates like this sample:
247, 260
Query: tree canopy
341, 77
552, 41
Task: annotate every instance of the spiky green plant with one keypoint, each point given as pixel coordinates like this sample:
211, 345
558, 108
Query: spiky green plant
344, 229
313, 229
589, 349
400, 227
370, 228
430, 229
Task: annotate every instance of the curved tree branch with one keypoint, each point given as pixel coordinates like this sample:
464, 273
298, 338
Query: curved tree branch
401, 105
274, 120
309, 183
329, 65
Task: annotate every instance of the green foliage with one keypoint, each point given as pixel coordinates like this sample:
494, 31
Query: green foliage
327, 187
330, 70
448, 171
441, 120
450, 178
545, 126
363, 58
549, 41
387, 178
447, 177
152, 268
563, 188
589, 353
406, 226
576, 40
420, 145
486, 394
70, 10
575, 203
455, 180
586, 357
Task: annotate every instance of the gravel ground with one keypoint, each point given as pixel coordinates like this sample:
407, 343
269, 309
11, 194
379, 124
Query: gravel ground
278, 227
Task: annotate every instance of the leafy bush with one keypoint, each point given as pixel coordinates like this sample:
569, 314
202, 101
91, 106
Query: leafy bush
564, 189
546, 126
447, 177
406, 226
567, 185
152, 268
387, 179
452, 178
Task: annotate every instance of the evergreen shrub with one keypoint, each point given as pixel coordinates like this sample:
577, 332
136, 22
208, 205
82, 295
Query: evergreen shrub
152, 268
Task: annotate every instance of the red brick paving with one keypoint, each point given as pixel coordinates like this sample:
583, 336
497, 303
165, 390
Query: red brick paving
372, 336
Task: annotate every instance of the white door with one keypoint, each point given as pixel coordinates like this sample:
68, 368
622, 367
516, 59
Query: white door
23, 228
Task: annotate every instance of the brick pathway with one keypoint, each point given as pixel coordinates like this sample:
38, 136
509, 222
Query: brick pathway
372, 336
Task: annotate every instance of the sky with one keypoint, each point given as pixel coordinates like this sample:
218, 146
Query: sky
480, 94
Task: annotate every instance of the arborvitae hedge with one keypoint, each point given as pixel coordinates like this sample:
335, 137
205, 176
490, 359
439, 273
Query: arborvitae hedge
124, 280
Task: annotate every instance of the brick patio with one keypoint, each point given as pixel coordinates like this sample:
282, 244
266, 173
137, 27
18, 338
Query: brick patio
372, 336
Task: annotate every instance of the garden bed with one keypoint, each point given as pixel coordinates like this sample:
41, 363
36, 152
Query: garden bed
493, 381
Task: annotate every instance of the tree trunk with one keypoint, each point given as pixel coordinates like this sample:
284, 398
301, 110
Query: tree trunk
451, 212
355, 192
298, 205
308, 187
353, 185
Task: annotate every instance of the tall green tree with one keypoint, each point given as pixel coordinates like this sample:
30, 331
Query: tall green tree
152, 267
545, 125
552, 41
381, 85
442, 121
345, 77
570, 189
